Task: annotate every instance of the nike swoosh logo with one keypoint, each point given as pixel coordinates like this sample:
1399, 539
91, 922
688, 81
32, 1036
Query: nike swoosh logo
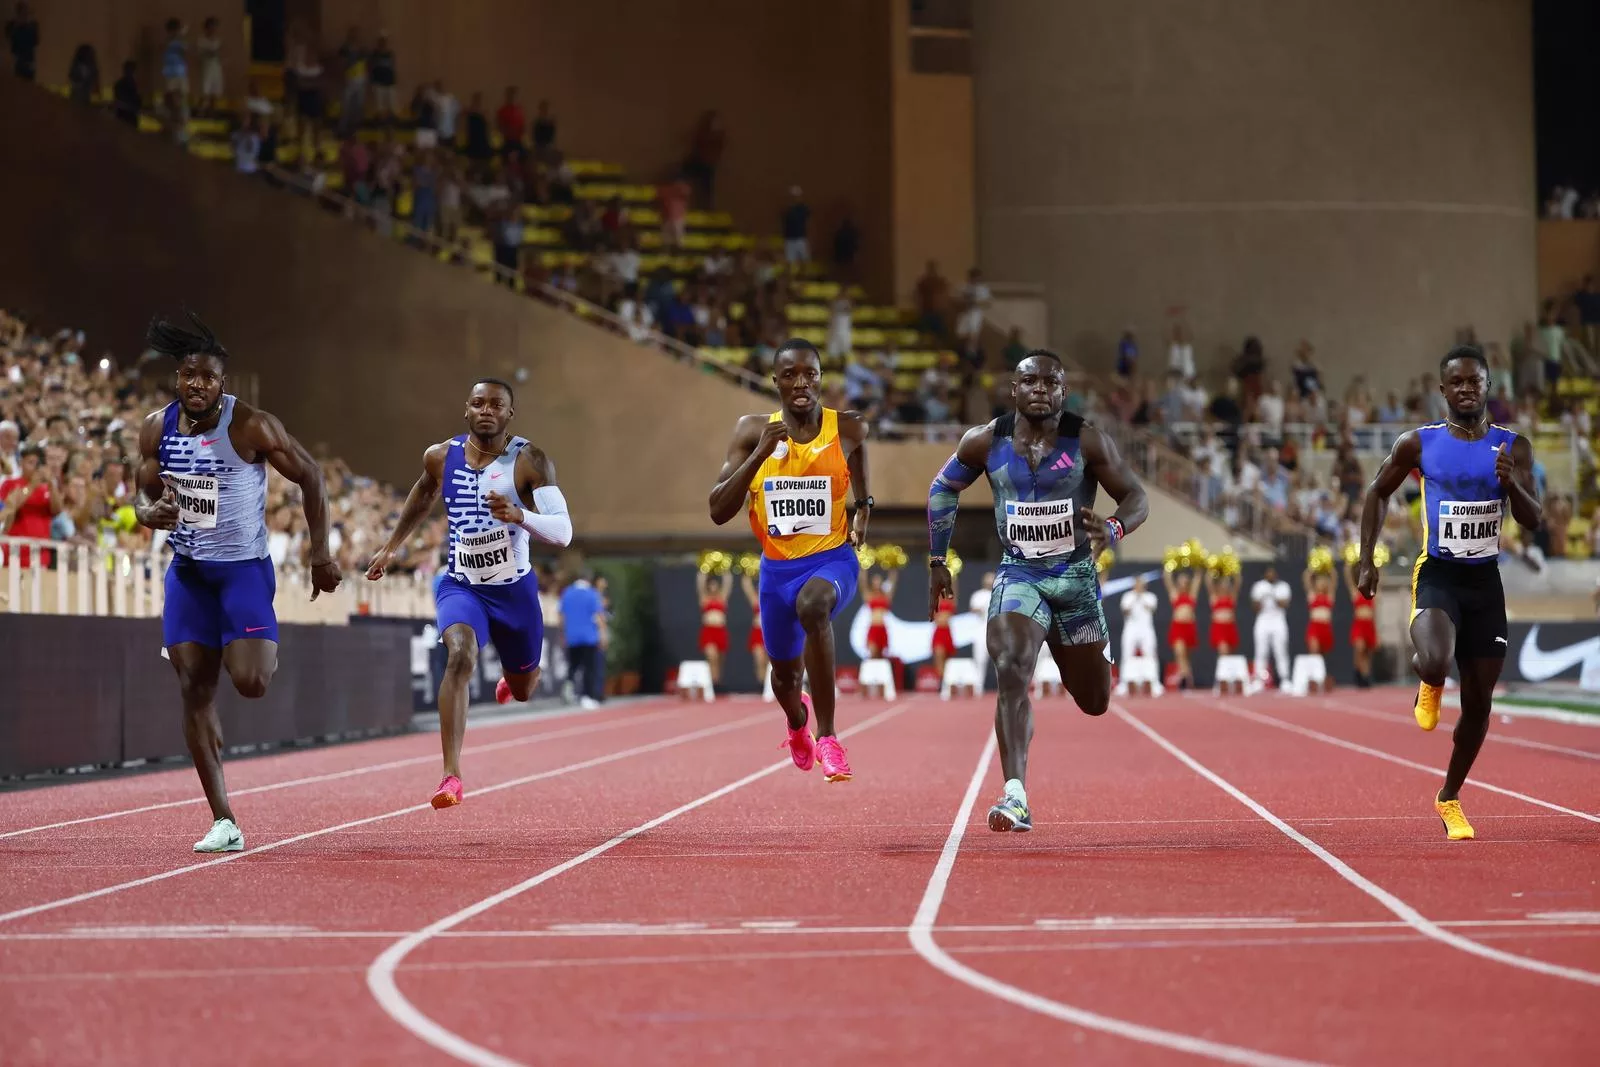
255, 629
211, 442
495, 475
1537, 665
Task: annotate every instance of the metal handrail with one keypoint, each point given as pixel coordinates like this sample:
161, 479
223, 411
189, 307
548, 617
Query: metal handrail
548, 293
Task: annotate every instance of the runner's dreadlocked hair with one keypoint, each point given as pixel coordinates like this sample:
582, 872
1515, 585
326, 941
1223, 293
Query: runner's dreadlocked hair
173, 340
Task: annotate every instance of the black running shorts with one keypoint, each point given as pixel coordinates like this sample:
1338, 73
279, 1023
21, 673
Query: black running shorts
1471, 594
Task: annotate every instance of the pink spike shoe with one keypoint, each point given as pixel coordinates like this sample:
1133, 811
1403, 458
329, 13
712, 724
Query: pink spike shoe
502, 692
449, 793
830, 753
801, 744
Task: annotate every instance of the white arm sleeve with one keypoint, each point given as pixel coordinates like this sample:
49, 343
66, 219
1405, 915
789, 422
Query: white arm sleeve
551, 524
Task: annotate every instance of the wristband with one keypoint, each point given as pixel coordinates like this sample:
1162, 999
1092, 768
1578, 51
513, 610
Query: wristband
1114, 531
936, 561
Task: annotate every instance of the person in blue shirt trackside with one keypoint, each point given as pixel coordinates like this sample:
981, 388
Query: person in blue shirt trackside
581, 611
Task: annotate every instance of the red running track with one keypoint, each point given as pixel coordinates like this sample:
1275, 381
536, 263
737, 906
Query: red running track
1253, 881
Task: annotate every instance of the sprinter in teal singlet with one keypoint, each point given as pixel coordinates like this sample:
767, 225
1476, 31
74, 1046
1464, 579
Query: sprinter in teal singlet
1045, 467
1471, 470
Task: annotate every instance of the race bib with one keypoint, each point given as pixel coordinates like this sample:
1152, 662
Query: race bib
798, 505
1470, 529
483, 558
1040, 530
197, 499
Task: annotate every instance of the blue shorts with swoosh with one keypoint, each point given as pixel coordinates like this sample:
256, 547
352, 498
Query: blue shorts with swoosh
215, 603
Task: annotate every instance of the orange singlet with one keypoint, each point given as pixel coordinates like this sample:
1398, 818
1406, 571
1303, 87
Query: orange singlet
797, 497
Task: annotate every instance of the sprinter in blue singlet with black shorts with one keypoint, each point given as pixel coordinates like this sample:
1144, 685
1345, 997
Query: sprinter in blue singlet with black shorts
489, 591
1471, 469
203, 475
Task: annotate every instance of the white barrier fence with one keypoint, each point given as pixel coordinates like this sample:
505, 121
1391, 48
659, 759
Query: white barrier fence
60, 578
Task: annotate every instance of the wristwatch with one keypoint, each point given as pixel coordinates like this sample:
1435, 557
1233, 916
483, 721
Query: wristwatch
868, 503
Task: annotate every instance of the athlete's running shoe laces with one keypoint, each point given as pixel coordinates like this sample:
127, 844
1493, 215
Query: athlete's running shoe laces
1010, 815
1426, 708
449, 793
1456, 826
830, 753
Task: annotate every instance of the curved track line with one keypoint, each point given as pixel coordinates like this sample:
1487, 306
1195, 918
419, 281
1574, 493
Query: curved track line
371, 768
921, 934
1378, 753
381, 973
654, 746
1499, 737
1403, 911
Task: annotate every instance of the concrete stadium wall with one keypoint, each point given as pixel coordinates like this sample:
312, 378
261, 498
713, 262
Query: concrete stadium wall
1360, 174
61, 713
1568, 249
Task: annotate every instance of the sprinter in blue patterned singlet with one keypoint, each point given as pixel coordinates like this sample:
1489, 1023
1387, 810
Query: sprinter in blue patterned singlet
488, 591
203, 476
1471, 471
1044, 466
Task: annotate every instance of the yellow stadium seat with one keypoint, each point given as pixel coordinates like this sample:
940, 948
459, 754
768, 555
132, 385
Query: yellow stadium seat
709, 220
213, 150
208, 127
644, 216
806, 313
594, 168
541, 235
404, 203
149, 124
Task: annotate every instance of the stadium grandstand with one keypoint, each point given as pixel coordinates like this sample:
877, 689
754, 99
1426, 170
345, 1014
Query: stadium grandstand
1296, 370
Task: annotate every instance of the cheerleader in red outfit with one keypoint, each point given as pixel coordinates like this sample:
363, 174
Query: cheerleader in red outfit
1319, 601
944, 645
758, 647
713, 623
1182, 632
1363, 627
879, 594
1223, 595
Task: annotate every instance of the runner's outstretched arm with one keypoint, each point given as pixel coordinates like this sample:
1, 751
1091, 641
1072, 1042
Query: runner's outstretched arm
754, 438
424, 494
536, 478
1515, 472
266, 435
853, 431
1112, 472
944, 498
1401, 461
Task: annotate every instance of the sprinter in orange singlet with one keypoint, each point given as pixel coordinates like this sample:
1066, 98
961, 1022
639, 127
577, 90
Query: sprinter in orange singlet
792, 470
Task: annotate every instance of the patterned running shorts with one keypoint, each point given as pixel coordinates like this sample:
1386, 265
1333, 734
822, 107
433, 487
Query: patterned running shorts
1064, 598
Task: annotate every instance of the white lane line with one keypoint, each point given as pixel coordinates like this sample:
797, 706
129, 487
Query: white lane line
1306, 731
1497, 736
543, 963
1553, 920
639, 750
371, 768
922, 940
1403, 911
381, 973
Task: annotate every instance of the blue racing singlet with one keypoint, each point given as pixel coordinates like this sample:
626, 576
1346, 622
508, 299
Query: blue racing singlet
222, 500
1463, 502
1036, 511
483, 550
